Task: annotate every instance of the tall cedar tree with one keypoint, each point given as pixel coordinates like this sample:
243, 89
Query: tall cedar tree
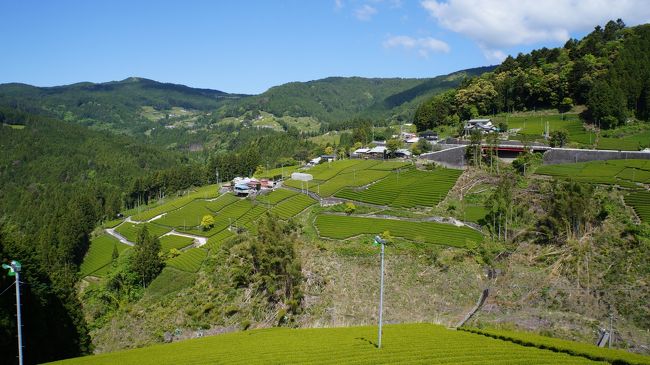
146, 262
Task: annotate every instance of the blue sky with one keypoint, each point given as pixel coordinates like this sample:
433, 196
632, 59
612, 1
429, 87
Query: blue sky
249, 46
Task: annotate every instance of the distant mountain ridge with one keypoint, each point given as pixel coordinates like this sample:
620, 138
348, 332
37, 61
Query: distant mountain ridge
339, 99
120, 106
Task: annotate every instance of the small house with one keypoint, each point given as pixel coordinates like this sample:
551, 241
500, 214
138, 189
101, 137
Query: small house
482, 125
429, 135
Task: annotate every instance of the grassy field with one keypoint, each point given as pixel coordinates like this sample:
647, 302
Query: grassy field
99, 255
332, 138
630, 137
474, 213
570, 347
343, 227
534, 124
407, 189
625, 173
403, 344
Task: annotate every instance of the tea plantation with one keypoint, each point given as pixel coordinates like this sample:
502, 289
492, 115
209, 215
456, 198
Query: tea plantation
570, 347
100, 255
640, 201
342, 227
624, 173
332, 177
403, 344
407, 189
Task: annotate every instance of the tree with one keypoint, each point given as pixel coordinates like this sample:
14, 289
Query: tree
558, 138
607, 105
421, 146
392, 145
500, 208
329, 150
526, 162
565, 105
362, 133
267, 262
350, 208
146, 262
473, 151
207, 222
570, 208
115, 254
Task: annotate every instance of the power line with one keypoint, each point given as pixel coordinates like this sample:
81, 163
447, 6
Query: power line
9, 287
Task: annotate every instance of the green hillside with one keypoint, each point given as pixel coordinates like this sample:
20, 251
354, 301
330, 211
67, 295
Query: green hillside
126, 106
606, 71
403, 344
336, 100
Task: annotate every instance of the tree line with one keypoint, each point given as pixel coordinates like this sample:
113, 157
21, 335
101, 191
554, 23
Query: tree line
608, 71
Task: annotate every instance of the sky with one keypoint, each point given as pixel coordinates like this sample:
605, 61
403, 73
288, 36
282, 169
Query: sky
250, 46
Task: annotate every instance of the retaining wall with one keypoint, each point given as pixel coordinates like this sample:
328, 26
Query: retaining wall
569, 155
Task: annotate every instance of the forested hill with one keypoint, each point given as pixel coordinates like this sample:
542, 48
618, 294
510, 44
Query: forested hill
128, 106
57, 181
608, 71
336, 100
167, 112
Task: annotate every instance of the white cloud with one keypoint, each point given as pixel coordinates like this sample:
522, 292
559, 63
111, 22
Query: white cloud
338, 4
422, 45
365, 12
498, 24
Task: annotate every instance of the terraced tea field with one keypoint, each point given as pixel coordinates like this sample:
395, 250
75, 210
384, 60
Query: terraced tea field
640, 202
173, 241
343, 227
292, 206
131, 230
185, 216
574, 348
404, 344
332, 177
189, 260
100, 255
625, 173
204, 192
412, 188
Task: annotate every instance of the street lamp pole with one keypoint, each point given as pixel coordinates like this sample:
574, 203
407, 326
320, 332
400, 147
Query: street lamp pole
14, 270
382, 242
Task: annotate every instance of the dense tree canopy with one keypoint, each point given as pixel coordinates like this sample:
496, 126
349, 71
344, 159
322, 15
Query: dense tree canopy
608, 70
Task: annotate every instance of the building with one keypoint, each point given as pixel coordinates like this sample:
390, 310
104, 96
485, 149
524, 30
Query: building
403, 153
377, 152
482, 125
429, 135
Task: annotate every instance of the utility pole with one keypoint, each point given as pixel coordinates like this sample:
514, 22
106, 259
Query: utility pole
14, 270
611, 333
382, 242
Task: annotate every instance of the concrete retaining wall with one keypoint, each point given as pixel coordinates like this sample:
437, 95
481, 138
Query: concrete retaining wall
450, 157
